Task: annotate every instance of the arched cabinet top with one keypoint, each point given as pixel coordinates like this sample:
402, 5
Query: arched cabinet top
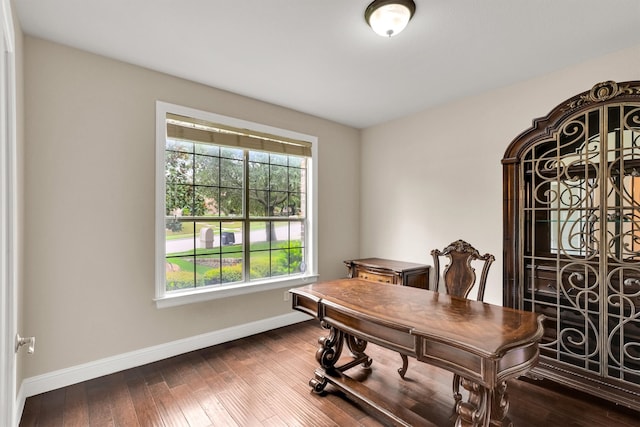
601, 94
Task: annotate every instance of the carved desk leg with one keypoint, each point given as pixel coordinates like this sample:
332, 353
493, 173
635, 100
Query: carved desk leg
500, 406
330, 347
484, 407
405, 365
473, 412
457, 397
357, 348
329, 353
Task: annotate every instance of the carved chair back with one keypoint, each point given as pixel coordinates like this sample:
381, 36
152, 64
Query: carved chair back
459, 275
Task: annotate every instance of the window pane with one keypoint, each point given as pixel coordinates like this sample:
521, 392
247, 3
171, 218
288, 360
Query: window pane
178, 199
207, 170
179, 273
205, 201
278, 159
231, 238
282, 234
178, 167
231, 153
207, 238
278, 178
296, 234
260, 234
231, 173
291, 208
286, 261
231, 271
295, 179
258, 203
179, 237
258, 176
260, 268
297, 262
179, 145
294, 205
298, 162
230, 202
212, 275
259, 250
279, 202
258, 156
207, 150
279, 262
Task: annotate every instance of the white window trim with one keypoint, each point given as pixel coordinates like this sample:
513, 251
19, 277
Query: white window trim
165, 299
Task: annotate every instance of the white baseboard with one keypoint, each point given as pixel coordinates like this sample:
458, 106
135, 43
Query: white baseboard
75, 374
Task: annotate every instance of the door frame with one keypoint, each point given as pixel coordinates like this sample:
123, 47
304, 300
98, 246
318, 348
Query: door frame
8, 220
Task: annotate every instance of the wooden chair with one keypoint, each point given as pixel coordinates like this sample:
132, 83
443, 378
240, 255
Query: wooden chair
460, 278
458, 275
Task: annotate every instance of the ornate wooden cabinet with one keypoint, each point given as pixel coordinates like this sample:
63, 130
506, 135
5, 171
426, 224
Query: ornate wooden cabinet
389, 271
572, 239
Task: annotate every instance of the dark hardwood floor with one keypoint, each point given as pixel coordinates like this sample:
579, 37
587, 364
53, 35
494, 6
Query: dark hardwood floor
263, 381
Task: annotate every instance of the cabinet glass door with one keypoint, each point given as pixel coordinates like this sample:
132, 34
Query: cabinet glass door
562, 242
581, 226
622, 278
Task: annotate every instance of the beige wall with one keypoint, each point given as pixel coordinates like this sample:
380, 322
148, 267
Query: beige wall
437, 174
89, 201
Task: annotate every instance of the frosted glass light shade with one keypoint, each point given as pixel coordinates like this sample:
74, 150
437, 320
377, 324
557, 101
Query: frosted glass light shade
387, 18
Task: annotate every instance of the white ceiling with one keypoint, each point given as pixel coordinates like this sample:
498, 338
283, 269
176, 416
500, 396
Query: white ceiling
321, 58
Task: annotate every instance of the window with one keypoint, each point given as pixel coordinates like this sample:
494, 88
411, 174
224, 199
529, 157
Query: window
235, 206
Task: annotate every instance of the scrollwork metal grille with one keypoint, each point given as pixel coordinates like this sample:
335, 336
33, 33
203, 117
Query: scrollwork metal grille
580, 225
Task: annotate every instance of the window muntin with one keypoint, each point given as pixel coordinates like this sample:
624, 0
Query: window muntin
233, 215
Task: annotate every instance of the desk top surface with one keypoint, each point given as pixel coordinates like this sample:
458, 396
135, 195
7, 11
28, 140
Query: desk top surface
487, 329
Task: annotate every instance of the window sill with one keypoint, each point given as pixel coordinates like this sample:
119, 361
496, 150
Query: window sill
206, 294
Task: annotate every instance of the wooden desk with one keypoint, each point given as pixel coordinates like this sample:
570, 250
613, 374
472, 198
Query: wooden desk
483, 343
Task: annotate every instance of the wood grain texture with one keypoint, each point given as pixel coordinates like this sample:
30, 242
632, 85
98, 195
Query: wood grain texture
263, 381
485, 329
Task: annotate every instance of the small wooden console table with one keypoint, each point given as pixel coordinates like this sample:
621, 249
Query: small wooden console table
389, 271
483, 343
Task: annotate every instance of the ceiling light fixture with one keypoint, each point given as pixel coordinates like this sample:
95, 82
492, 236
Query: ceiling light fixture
389, 17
